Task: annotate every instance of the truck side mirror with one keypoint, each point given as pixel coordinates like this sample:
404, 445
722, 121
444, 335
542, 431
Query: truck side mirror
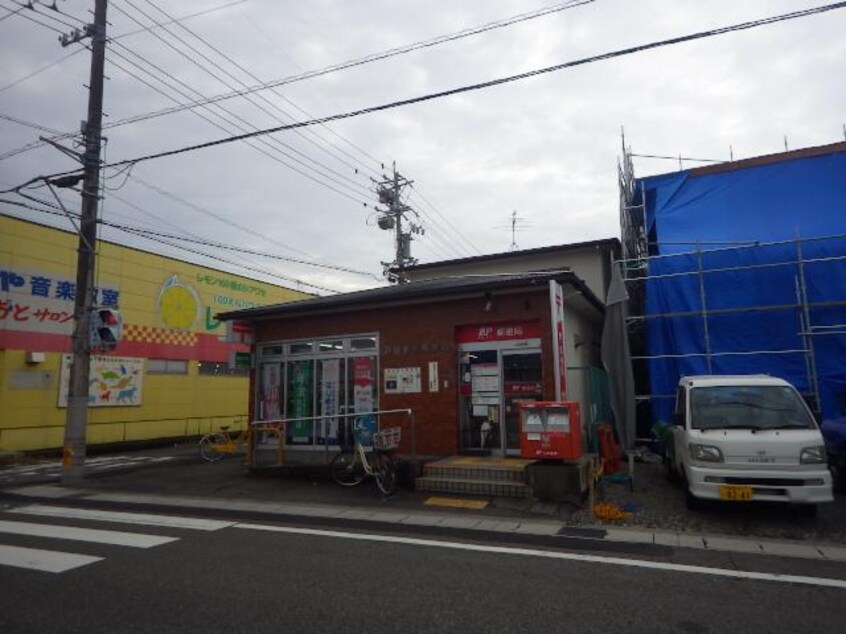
677, 419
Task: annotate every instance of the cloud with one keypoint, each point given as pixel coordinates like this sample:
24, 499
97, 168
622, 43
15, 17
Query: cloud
547, 146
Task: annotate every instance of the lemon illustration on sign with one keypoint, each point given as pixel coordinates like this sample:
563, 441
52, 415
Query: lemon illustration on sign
178, 305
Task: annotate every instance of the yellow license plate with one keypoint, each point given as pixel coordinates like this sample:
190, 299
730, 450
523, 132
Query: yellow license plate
735, 492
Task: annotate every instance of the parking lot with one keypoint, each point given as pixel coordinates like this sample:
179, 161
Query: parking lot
659, 504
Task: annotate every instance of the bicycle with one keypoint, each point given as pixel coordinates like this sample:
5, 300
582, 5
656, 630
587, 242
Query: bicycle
352, 464
215, 445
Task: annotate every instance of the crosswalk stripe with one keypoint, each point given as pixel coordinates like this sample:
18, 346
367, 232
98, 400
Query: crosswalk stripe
114, 538
168, 521
43, 560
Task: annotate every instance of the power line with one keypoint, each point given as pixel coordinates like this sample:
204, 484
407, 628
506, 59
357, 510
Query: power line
223, 219
229, 122
254, 269
445, 219
28, 124
158, 239
33, 6
271, 143
32, 19
329, 69
496, 82
229, 247
11, 12
373, 57
255, 78
179, 19
342, 66
41, 70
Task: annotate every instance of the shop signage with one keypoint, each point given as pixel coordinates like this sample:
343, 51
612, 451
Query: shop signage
416, 348
38, 302
556, 302
503, 331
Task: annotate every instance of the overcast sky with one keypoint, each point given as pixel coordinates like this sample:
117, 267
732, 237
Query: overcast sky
546, 146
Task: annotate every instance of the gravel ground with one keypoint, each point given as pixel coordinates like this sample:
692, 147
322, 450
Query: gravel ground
659, 504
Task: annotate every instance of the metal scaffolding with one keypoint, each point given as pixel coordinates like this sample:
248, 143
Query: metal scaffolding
638, 266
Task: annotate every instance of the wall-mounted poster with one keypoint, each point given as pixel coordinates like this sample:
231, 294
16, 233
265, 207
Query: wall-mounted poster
300, 390
330, 388
402, 380
112, 381
271, 381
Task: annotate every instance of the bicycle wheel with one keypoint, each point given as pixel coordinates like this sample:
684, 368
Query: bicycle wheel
346, 469
386, 473
211, 446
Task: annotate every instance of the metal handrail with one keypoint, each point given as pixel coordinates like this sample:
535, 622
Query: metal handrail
283, 421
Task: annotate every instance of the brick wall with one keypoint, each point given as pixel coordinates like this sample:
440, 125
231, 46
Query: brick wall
413, 335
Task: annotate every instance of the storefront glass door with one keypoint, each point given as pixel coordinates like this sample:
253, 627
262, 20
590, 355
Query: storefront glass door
493, 382
522, 381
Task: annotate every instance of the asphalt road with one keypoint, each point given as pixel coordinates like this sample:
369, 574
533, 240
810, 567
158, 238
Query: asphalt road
270, 577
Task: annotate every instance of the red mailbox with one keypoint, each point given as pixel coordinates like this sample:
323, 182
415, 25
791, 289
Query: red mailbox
550, 430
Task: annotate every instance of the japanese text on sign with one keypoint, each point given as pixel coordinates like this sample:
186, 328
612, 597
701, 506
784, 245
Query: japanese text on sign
43, 286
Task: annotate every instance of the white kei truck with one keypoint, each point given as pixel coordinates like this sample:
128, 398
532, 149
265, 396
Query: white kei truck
745, 439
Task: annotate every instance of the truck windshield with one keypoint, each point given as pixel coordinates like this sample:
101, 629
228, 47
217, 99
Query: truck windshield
756, 407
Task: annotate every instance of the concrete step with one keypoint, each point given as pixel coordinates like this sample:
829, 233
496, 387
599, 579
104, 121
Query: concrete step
492, 474
468, 486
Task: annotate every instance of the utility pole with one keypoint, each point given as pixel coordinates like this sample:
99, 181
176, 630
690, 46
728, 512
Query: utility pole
73, 457
389, 191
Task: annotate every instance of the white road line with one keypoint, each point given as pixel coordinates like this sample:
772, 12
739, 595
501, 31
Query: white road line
168, 521
531, 552
44, 560
114, 538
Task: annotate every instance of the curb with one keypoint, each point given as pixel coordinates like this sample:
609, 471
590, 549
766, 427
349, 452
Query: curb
508, 530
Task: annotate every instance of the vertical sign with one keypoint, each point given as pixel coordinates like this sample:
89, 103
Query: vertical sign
364, 426
433, 376
363, 385
329, 393
556, 302
299, 399
270, 384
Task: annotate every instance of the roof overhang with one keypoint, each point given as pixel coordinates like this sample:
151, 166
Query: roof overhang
439, 290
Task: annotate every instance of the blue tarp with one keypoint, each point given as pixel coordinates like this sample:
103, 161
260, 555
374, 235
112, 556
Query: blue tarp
761, 204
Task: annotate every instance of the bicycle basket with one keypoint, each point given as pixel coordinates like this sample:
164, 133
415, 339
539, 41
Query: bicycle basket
387, 438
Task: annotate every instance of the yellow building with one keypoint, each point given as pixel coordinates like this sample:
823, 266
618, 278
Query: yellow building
173, 374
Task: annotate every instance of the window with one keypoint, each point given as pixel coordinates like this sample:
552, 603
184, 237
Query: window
330, 346
211, 368
748, 407
363, 343
314, 384
167, 366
